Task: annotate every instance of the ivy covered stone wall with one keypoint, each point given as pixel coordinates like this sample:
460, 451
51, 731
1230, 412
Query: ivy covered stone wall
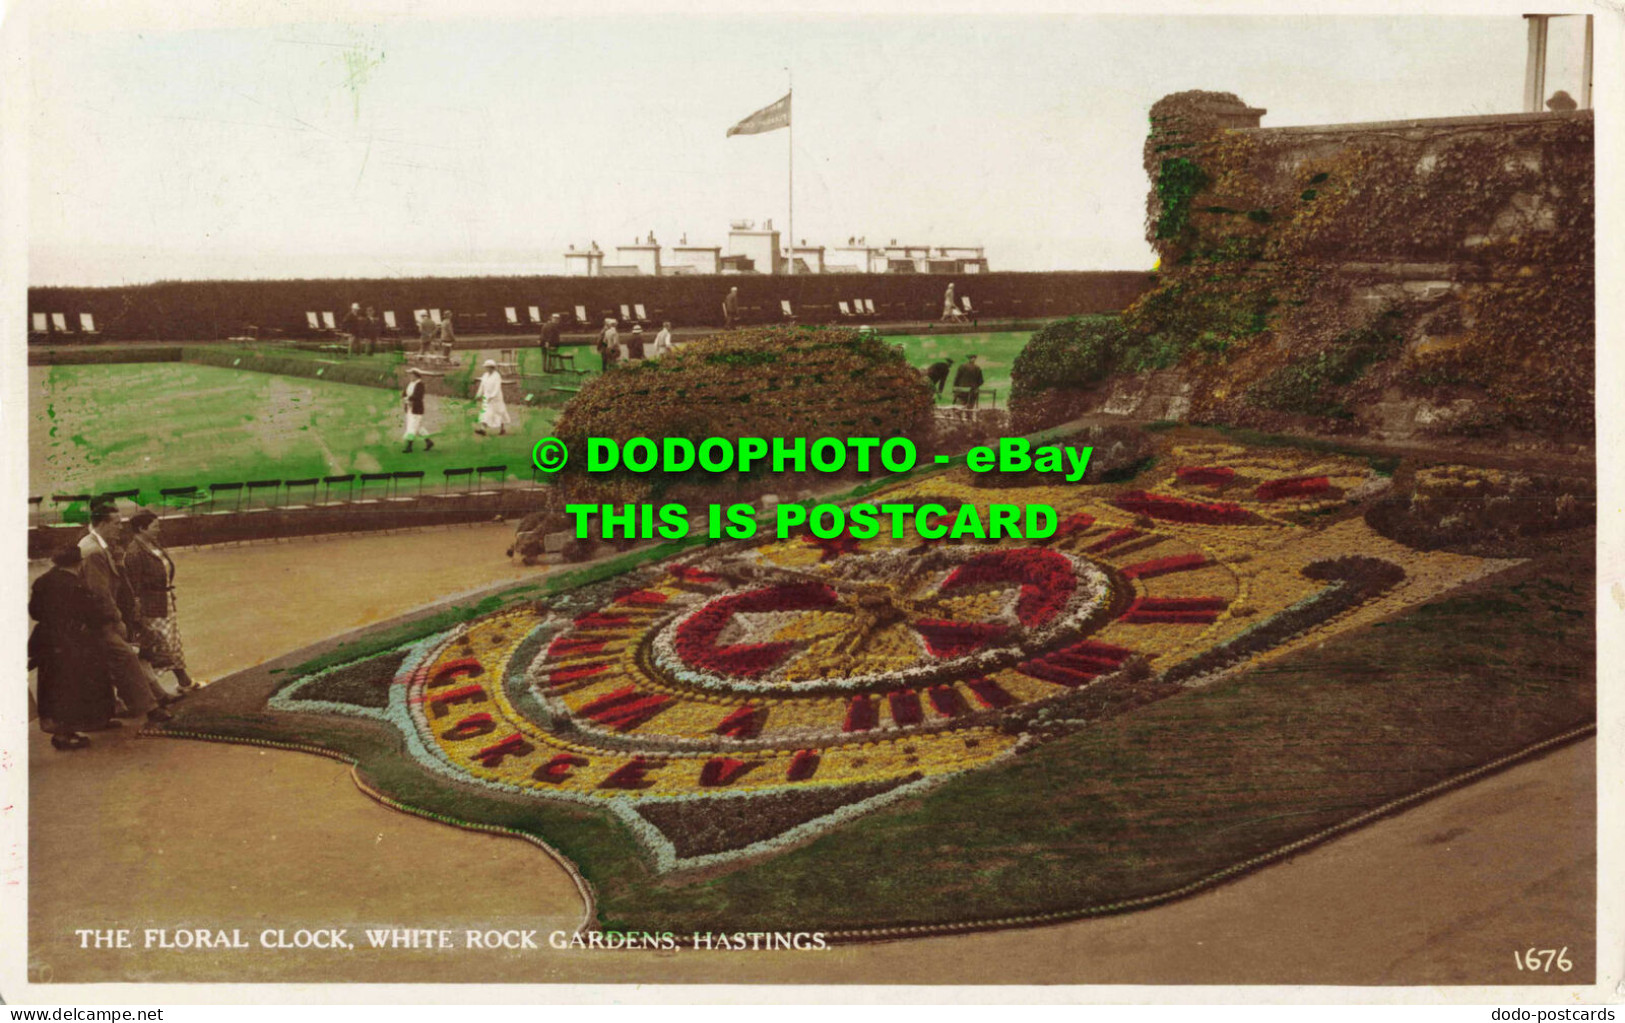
1318, 272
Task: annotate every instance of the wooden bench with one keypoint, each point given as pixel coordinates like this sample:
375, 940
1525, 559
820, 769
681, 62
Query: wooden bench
970, 398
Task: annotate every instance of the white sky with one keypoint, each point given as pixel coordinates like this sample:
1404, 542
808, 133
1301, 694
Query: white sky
487, 146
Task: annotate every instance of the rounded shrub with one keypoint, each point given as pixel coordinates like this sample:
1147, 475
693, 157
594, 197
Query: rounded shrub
767, 382
1060, 364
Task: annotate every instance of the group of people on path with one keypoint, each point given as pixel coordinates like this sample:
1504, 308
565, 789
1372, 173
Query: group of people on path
613, 350
436, 338
363, 329
967, 381
107, 629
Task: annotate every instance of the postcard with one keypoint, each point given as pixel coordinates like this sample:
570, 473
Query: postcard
1045, 501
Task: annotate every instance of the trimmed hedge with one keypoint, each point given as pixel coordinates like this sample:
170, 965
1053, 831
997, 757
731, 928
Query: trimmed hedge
1062, 362
386, 374
768, 382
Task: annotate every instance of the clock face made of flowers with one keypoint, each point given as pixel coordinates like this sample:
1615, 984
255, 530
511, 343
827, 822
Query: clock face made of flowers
736, 701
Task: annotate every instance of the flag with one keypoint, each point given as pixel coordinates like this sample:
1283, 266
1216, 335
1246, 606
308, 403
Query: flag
770, 118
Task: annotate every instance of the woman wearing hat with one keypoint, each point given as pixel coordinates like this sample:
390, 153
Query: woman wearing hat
493, 406
75, 692
412, 401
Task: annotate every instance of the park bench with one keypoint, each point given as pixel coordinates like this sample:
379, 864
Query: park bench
971, 398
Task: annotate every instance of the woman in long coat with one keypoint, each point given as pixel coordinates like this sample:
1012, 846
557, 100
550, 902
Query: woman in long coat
152, 575
75, 693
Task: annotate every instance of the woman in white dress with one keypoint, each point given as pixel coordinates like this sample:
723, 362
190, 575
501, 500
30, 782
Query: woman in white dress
493, 406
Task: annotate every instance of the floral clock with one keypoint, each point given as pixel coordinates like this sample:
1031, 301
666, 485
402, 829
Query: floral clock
735, 701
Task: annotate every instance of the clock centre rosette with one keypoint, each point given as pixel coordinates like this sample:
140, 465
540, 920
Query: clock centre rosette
875, 620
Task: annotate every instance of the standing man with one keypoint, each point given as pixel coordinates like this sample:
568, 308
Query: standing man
371, 329
730, 308
551, 331
350, 326
633, 350
609, 344
412, 404
663, 343
448, 336
135, 683
967, 382
426, 335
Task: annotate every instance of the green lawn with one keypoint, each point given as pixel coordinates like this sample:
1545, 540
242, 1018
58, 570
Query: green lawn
995, 353
153, 425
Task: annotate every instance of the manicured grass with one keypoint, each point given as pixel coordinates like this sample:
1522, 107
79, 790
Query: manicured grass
1146, 802
154, 425
995, 353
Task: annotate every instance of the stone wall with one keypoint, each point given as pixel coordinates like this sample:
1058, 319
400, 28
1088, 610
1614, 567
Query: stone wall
1315, 273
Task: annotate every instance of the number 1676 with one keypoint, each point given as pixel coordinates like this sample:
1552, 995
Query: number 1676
1541, 960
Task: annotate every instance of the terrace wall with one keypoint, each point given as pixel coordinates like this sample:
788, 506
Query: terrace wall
1341, 272
210, 310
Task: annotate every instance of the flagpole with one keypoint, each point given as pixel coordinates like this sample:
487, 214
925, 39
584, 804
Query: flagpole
791, 155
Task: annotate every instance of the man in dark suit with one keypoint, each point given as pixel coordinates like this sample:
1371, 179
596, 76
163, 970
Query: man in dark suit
351, 325
135, 683
371, 331
937, 373
967, 382
551, 331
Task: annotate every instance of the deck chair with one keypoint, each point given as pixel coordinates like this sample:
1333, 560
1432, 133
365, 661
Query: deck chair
313, 320
434, 317
784, 306
581, 316
964, 300
87, 323
626, 313
869, 306
59, 322
512, 314
38, 323
330, 321
637, 307
535, 314
389, 320
507, 362
846, 311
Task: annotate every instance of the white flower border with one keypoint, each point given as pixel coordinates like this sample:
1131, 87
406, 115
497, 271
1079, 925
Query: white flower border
1089, 598
408, 719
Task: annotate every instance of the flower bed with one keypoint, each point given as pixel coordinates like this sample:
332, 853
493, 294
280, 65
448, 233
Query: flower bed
798, 685
1177, 509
